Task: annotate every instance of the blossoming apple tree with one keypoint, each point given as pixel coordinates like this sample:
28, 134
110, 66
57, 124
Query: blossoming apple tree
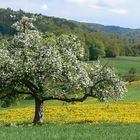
49, 67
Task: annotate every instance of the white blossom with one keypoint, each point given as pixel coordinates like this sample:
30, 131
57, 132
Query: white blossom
53, 65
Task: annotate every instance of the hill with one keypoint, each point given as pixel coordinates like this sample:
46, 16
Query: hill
123, 32
99, 40
109, 29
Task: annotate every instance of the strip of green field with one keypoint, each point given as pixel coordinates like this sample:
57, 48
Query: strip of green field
72, 132
133, 94
129, 57
123, 66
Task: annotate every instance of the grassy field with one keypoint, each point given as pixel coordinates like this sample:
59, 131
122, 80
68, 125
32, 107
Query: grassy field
72, 132
129, 57
133, 93
123, 64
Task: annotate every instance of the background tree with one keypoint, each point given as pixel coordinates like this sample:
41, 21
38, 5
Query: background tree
94, 46
48, 67
96, 50
112, 51
131, 76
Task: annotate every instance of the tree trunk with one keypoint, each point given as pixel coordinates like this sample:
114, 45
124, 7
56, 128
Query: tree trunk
38, 118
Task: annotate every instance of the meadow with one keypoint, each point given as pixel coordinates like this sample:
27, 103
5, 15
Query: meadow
72, 132
88, 120
122, 64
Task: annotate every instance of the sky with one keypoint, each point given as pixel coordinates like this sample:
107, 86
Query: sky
124, 13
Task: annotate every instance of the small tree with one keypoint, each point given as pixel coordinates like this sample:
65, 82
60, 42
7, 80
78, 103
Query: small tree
112, 51
131, 76
96, 50
50, 69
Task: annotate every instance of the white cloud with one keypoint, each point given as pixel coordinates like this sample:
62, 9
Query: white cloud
96, 7
44, 7
78, 1
119, 11
98, 2
111, 2
112, 6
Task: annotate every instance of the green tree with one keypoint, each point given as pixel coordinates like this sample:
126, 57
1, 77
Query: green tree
112, 51
95, 46
96, 50
131, 76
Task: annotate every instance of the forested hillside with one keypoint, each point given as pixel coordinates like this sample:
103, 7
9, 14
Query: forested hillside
133, 35
99, 40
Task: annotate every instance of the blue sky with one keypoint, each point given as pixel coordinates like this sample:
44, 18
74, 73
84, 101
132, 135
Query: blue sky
125, 13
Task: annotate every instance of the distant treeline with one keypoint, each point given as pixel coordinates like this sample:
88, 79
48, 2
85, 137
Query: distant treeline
99, 40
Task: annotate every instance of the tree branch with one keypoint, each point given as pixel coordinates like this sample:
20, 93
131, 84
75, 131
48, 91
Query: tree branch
100, 81
31, 86
69, 99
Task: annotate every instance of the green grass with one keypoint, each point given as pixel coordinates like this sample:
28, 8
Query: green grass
133, 94
26, 103
129, 57
122, 66
72, 132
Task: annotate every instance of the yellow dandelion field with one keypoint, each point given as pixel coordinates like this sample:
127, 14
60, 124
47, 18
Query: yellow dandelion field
78, 113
